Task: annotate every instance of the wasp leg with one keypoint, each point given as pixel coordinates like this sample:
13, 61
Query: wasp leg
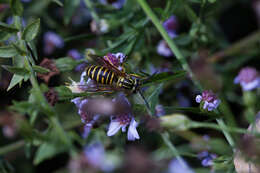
135, 75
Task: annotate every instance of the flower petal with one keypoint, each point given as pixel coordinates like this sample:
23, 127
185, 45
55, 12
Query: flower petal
113, 128
132, 133
198, 98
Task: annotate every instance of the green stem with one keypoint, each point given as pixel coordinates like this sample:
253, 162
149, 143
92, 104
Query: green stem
224, 129
227, 135
175, 152
12, 147
169, 41
44, 104
19, 144
92, 11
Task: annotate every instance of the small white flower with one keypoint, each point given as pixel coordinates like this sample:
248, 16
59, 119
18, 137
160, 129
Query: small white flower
198, 98
121, 122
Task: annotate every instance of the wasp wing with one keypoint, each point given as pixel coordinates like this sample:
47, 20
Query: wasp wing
103, 62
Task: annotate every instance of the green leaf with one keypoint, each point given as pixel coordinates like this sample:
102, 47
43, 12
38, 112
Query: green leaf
15, 80
66, 64
7, 28
17, 7
20, 51
69, 9
40, 69
17, 70
7, 51
58, 2
165, 76
153, 98
47, 151
31, 30
33, 48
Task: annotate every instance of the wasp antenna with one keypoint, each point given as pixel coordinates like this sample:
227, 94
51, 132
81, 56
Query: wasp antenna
145, 101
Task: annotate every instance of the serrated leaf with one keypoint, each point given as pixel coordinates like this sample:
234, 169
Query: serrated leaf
40, 69
17, 70
15, 80
17, 7
31, 30
46, 151
69, 9
165, 76
7, 28
7, 51
65, 64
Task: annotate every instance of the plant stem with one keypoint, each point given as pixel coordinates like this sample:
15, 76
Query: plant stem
19, 144
169, 41
175, 50
11, 147
239, 46
175, 152
227, 135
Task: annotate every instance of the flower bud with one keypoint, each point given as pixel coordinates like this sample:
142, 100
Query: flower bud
175, 122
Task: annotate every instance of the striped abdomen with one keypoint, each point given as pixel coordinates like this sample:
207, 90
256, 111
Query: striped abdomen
101, 74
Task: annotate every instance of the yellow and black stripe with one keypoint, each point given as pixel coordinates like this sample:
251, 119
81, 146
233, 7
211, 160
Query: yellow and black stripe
101, 74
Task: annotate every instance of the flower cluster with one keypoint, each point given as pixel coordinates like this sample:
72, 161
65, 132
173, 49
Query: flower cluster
248, 78
119, 108
208, 100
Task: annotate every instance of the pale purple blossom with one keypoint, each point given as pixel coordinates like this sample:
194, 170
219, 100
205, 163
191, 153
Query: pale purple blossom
73, 53
179, 165
208, 99
123, 120
206, 158
116, 59
171, 26
248, 78
115, 3
51, 42
159, 110
163, 49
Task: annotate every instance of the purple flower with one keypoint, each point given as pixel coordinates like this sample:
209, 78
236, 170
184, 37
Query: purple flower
163, 49
122, 120
159, 110
208, 99
116, 59
73, 53
171, 26
52, 41
115, 3
179, 166
248, 78
206, 158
